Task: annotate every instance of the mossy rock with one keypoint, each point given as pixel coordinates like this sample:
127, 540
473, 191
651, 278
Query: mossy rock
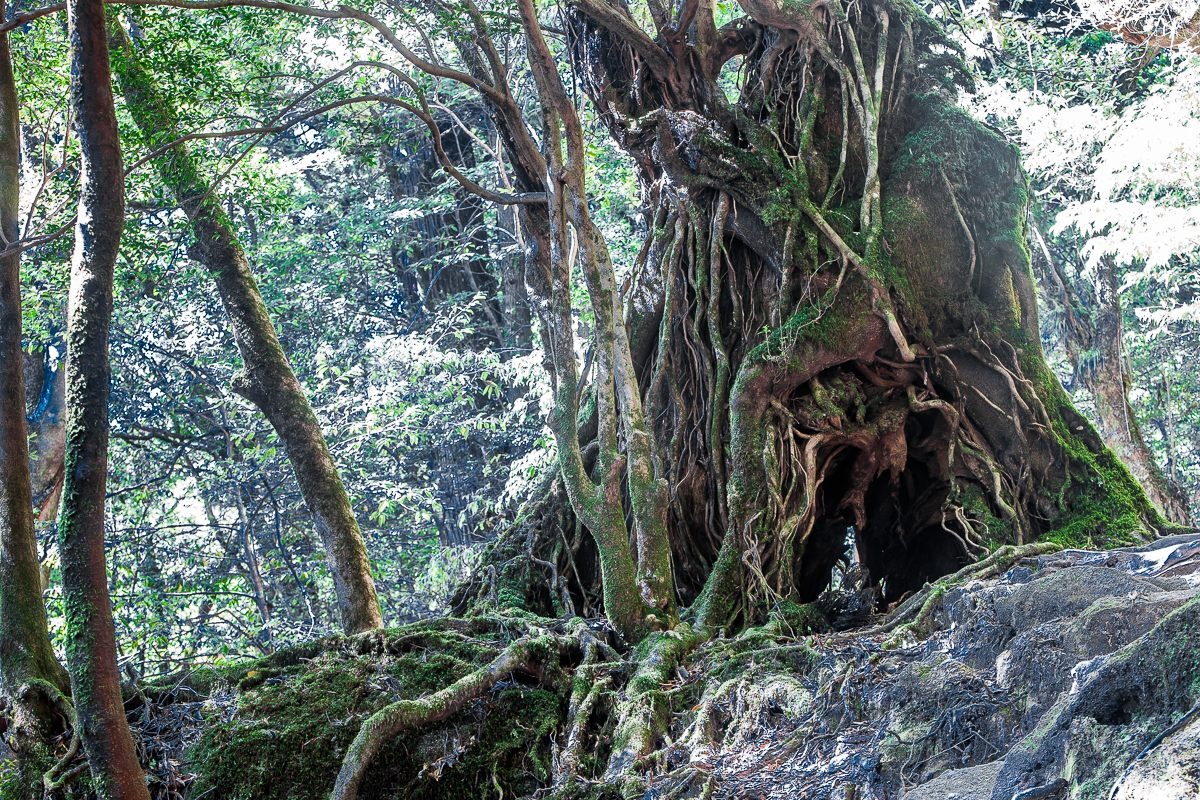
281, 731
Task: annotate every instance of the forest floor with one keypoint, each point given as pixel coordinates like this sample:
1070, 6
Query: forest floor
1056, 679
1064, 674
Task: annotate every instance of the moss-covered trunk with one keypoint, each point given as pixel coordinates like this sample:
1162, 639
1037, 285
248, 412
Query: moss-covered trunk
30, 675
1094, 339
91, 641
267, 379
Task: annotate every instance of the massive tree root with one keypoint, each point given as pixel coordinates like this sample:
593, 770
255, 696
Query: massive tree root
626, 701
636, 719
642, 716
525, 706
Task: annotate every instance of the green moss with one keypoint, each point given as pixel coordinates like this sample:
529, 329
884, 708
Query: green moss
938, 142
798, 619
21, 779
820, 324
971, 499
780, 646
293, 722
948, 146
1101, 503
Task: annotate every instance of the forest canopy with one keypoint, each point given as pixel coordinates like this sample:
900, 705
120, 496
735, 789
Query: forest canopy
587, 346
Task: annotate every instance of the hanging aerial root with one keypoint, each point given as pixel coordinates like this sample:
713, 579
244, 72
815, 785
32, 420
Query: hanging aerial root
880, 300
910, 617
526, 654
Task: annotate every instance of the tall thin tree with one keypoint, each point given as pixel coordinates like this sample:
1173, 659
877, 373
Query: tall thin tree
267, 379
91, 640
30, 675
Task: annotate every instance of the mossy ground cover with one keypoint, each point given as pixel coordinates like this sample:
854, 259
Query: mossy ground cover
281, 731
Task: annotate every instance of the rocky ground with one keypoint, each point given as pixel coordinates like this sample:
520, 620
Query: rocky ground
1074, 674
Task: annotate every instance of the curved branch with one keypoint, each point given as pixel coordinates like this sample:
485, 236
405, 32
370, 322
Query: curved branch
341, 12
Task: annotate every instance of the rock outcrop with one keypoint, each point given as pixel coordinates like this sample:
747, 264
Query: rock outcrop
1073, 675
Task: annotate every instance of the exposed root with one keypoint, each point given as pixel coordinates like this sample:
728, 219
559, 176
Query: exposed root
69, 766
59, 776
592, 679
910, 617
642, 717
584, 700
524, 655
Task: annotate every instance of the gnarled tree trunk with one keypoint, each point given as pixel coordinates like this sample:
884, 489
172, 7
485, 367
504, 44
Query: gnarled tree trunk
1093, 335
833, 326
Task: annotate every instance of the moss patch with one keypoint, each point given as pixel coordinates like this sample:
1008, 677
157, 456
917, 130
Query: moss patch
1102, 504
285, 729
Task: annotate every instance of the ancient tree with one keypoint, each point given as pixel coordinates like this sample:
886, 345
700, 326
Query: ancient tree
267, 378
828, 351
30, 675
91, 641
830, 347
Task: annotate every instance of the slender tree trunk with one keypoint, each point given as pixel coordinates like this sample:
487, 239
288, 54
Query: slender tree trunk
267, 379
30, 675
1093, 336
515, 301
91, 640
256, 579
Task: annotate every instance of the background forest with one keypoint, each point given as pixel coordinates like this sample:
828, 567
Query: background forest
386, 282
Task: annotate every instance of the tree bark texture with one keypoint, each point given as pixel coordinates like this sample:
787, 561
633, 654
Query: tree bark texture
91, 640
30, 675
